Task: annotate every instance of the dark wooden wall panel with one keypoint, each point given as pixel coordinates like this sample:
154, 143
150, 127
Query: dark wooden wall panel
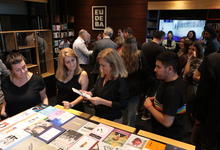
120, 14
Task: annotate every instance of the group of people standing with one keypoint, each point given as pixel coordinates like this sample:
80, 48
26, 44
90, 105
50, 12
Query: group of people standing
117, 74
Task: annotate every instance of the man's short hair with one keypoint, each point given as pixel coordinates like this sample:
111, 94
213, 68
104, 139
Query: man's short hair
158, 34
82, 31
108, 31
129, 30
169, 59
211, 31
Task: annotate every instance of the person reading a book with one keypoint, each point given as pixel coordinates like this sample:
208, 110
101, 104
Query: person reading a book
69, 75
22, 89
110, 92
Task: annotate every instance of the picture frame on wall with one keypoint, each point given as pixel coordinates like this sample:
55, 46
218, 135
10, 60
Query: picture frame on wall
99, 17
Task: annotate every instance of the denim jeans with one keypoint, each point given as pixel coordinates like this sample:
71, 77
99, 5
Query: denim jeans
129, 115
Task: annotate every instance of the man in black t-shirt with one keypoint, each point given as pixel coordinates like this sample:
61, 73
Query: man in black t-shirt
150, 51
168, 107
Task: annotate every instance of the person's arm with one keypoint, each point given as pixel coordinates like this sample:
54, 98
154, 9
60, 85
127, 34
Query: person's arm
84, 82
121, 99
3, 113
164, 119
43, 96
196, 75
173, 45
82, 47
4, 70
100, 101
187, 68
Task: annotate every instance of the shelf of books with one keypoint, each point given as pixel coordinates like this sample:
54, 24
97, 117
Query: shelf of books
50, 128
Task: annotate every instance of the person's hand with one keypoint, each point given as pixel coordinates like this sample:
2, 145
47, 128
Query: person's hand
66, 105
95, 100
148, 102
86, 92
3, 114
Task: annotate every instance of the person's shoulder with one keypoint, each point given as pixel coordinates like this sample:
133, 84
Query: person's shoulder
6, 80
36, 78
83, 74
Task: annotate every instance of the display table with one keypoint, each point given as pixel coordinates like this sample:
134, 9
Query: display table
166, 140
50, 128
113, 124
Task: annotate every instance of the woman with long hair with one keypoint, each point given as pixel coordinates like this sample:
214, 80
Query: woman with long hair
110, 92
133, 63
69, 75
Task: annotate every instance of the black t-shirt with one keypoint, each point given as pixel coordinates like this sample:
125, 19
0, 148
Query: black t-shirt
115, 91
21, 98
170, 101
65, 92
151, 50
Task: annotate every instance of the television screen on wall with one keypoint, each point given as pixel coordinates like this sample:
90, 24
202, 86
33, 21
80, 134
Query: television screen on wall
180, 28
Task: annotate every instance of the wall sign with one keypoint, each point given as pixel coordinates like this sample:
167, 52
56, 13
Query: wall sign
99, 17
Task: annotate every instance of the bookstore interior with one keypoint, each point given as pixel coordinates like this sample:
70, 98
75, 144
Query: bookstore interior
73, 77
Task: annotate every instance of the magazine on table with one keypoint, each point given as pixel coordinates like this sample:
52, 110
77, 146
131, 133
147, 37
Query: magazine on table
66, 140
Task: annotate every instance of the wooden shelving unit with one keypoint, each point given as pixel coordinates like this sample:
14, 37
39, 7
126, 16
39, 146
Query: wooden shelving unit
34, 45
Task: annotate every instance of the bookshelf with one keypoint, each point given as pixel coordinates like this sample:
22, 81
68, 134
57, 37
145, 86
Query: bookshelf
34, 45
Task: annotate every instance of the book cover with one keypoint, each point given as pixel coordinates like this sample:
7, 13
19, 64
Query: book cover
84, 143
62, 118
153, 145
66, 140
12, 138
87, 128
101, 131
135, 142
38, 127
32, 143
81, 93
117, 138
39, 107
50, 134
5, 124
171, 147
55, 114
25, 123
74, 124
103, 146
47, 111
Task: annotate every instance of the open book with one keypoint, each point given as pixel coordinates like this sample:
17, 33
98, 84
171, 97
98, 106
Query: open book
81, 93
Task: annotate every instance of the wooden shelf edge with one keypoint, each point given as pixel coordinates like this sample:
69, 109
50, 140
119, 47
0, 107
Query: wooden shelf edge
26, 47
31, 66
16, 31
166, 140
75, 112
47, 74
113, 124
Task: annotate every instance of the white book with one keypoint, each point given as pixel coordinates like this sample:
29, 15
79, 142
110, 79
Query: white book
87, 128
13, 138
84, 143
81, 93
135, 142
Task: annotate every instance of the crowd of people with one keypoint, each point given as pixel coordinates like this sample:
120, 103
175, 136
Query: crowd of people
174, 82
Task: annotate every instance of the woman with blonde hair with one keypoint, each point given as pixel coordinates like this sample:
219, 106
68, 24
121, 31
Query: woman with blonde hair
69, 75
110, 93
